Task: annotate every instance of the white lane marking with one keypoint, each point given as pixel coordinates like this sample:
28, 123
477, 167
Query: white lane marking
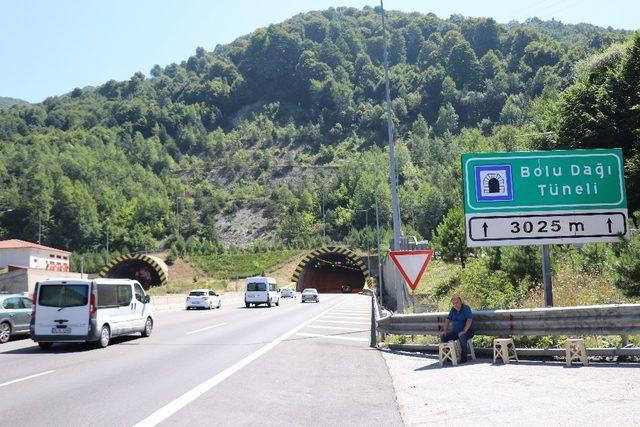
204, 329
357, 313
338, 328
25, 378
174, 406
343, 322
333, 337
331, 316
362, 313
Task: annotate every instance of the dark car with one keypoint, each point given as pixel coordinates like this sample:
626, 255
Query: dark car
15, 316
346, 289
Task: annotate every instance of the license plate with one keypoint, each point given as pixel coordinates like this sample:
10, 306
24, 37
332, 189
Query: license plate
60, 330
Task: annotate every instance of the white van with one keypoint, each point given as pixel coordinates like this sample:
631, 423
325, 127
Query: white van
261, 290
89, 311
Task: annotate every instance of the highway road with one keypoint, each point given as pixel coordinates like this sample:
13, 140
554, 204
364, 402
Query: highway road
297, 364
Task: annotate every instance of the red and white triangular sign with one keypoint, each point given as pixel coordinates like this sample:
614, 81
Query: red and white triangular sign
412, 264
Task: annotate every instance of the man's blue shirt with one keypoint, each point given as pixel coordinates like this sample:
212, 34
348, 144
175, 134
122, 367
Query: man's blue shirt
459, 318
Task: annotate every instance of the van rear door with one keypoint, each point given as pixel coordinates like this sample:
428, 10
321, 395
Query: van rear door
257, 292
62, 311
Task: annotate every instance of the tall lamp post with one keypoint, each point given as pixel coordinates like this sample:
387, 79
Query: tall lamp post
378, 240
395, 200
366, 216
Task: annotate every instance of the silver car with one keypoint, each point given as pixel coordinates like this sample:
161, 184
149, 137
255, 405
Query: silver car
15, 315
310, 294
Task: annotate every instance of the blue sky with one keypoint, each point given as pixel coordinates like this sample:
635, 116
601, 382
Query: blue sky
48, 48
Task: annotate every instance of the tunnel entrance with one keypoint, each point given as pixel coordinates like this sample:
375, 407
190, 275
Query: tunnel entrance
329, 269
148, 270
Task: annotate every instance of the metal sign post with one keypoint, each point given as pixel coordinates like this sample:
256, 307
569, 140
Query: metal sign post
546, 276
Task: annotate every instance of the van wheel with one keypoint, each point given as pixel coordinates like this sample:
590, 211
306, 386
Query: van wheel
105, 336
5, 332
277, 303
148, 327
269, 303
246, 304
45, 345
219, 304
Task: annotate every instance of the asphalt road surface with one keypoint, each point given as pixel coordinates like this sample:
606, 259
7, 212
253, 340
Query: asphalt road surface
297, 364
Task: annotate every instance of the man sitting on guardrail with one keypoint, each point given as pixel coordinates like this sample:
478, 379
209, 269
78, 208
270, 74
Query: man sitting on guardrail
462, 329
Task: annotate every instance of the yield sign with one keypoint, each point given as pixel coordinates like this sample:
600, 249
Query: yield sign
412, 264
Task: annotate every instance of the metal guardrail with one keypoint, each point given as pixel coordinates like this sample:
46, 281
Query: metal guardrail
530, 352
613, 319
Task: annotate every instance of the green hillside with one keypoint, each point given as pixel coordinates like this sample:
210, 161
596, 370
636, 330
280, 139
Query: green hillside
6, 102
235, 136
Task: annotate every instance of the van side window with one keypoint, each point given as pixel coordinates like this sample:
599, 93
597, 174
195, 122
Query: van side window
124, 295
107, 296
139, 292
272, 287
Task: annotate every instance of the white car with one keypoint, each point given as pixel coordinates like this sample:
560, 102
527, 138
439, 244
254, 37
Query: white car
288, 293
203, 298
310, 294
70, 310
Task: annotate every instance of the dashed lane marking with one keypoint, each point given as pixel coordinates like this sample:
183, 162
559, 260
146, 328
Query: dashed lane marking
204, 329
338, 328
343, 322
25, 378
333, 337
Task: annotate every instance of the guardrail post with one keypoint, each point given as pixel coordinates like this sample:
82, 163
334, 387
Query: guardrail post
373, 342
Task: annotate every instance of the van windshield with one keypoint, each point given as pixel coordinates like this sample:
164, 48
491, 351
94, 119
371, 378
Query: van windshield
63, 295
256, 287
197, 293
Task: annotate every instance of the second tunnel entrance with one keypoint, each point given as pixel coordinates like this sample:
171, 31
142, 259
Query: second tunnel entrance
331, 270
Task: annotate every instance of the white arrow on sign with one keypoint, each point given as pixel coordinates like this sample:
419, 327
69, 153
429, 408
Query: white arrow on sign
412, 264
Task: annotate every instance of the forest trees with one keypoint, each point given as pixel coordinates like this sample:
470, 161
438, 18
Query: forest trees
238, 129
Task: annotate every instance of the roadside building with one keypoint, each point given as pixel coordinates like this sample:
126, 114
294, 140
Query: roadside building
28, 262
20, 254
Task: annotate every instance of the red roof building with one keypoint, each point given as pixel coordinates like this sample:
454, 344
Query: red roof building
19, 253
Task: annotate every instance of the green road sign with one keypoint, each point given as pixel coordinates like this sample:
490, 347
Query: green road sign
540, 197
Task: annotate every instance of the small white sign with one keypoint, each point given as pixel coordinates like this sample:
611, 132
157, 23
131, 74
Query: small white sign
546, 228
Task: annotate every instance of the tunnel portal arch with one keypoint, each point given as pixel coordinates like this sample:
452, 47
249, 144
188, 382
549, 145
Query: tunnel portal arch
148, 270
329, 268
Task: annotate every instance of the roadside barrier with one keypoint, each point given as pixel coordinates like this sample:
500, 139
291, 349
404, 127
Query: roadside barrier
612, 319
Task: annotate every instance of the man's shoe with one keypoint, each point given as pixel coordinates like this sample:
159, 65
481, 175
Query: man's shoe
462, 361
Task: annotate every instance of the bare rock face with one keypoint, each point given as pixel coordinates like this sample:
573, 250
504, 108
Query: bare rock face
244, 227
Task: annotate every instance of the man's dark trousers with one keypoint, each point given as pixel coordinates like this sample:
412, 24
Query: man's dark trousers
450, 336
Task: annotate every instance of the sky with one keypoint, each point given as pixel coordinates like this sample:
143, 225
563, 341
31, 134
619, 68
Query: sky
50, 47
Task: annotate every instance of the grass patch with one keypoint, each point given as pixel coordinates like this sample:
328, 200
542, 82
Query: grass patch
229, 266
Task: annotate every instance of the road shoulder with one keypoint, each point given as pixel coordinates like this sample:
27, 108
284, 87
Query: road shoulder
531, 392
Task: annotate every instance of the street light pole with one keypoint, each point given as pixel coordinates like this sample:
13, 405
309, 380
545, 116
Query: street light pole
324, 221
178, 217
395, 202
366, 216
39, 228
107, 243
378, 239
